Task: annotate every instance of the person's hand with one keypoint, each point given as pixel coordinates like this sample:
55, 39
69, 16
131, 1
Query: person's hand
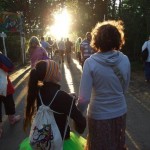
74, 96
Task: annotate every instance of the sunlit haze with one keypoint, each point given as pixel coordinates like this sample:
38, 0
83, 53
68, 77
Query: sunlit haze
61, 26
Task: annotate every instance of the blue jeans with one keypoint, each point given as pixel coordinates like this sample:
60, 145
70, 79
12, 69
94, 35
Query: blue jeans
147, 70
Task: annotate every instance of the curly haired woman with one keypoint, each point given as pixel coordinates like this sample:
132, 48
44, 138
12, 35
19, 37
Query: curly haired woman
108, 75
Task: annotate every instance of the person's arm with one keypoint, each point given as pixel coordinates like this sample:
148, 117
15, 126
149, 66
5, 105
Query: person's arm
64, 107
85, 88
128, 76
79, 121
144, 46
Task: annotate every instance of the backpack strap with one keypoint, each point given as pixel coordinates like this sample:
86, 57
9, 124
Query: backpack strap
52, 99
50, 102
119, 75
67, 122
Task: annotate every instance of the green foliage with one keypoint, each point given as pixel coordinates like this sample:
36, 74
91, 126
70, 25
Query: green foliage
86, 13
134, 14
13, 47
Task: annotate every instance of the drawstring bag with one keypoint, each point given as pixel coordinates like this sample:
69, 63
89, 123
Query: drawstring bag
3, 83
44, 133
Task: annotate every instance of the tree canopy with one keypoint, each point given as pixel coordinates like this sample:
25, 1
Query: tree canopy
135, 14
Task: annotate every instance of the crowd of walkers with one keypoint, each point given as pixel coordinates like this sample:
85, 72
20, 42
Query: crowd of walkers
42, 49
104, 81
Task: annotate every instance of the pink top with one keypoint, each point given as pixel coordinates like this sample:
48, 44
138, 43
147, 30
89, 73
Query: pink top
37, 54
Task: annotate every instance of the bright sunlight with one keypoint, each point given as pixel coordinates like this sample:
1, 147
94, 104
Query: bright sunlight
61, 26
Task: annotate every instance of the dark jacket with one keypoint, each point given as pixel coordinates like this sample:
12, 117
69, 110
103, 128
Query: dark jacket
62, 104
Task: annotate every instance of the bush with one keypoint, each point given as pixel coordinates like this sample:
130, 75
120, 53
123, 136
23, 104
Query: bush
13, 46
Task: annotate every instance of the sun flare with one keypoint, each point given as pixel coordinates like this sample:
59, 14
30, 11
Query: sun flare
62, 24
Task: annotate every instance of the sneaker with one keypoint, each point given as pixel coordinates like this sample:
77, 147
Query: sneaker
13, 119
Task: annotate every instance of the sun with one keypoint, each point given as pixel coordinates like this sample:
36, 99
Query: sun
61, 26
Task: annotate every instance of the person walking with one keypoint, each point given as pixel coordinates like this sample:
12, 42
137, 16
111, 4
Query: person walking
77, 48
7, 66
36, 52
68, 45
147, 62
61, 47
48, 73
108, 75
55, 46
85, 48
50, 49
44, 44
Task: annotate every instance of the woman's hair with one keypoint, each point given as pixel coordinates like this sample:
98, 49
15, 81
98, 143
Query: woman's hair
33, 43
45, 71
35, 75
107, 36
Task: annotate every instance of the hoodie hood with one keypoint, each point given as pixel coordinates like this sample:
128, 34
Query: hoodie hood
108, 58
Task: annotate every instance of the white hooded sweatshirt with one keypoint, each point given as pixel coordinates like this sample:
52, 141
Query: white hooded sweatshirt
101, 88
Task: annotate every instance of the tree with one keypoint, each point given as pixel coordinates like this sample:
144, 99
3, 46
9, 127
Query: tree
135, 14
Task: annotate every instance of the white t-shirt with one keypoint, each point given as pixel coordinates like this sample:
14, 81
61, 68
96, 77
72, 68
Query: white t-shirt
147, 44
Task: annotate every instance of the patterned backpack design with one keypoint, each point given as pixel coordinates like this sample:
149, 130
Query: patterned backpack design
44, 133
